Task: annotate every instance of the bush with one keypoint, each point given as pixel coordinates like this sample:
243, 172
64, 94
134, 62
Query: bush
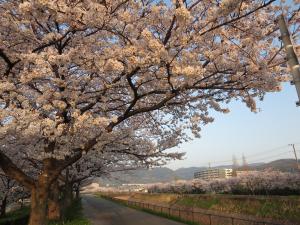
18, 217
73, 215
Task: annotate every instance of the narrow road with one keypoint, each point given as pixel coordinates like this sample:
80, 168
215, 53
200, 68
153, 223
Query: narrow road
103, 212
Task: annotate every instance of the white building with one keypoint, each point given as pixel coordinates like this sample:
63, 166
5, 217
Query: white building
213, 173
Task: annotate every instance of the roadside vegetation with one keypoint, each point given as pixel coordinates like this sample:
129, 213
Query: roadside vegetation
276, 207
73, 215
18, 217
70, 216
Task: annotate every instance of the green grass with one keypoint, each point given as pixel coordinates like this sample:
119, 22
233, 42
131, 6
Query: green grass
19, 216
287, 209
73, 215
78, 221
200, 203
18, 213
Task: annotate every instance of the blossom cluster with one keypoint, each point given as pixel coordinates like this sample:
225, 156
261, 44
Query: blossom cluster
266, 182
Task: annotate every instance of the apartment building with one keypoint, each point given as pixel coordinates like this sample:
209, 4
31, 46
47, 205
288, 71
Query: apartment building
213, 173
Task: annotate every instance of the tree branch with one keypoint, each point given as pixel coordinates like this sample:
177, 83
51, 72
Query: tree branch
11, 170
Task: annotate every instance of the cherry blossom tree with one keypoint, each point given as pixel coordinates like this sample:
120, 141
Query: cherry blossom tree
6, 184
75, 74
124, 153
10, 192
266, 182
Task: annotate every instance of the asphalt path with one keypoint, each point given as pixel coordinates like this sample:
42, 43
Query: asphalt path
103, 212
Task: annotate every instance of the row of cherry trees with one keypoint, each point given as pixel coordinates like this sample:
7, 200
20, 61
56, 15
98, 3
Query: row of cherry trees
10, 192
124, 80
266, 182
121, 153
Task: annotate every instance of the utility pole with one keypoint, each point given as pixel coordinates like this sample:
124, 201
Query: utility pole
295, 153
209, 171
245, 164
291, 55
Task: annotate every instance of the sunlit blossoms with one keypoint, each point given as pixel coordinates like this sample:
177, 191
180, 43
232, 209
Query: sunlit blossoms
266, 182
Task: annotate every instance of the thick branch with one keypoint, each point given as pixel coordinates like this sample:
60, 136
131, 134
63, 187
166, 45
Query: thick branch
11, 170
142, 110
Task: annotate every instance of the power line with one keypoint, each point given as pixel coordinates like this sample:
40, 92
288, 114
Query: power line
258, 155
273, 156
295, 153
267, 152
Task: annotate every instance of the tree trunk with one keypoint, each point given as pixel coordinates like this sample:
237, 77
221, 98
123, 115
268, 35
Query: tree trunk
3, 207
39, 197
77, 192
54, 209
68, 195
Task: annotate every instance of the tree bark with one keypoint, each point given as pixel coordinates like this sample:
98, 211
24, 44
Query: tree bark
12, 171
3, 206
40, 192
68, 195
39, 197
77, 192
54, 209
40, 188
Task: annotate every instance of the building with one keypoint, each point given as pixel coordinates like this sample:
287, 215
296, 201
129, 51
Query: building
213, 173
133, 188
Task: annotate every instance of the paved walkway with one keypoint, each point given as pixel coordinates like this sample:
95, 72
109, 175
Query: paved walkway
103, 212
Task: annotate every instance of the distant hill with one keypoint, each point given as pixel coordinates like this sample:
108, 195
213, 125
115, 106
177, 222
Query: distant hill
139, 176
187, 173
150, 176
163, 174
285, 165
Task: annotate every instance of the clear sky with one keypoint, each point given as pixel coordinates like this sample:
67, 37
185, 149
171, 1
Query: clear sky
261, 137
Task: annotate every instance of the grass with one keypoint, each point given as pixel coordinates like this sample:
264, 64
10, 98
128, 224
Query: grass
199, 203
16, 217
165, 215
73, 215
280, 208
284, 209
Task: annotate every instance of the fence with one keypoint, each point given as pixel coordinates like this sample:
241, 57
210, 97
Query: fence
201, 216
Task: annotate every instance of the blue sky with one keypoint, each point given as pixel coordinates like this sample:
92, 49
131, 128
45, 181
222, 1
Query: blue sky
261, 137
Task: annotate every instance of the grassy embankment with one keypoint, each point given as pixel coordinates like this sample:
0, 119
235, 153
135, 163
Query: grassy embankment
71, 216
283, 208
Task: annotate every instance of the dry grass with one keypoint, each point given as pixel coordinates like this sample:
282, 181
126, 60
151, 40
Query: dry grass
286, 208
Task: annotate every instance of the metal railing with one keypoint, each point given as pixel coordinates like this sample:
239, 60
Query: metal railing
201, 216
